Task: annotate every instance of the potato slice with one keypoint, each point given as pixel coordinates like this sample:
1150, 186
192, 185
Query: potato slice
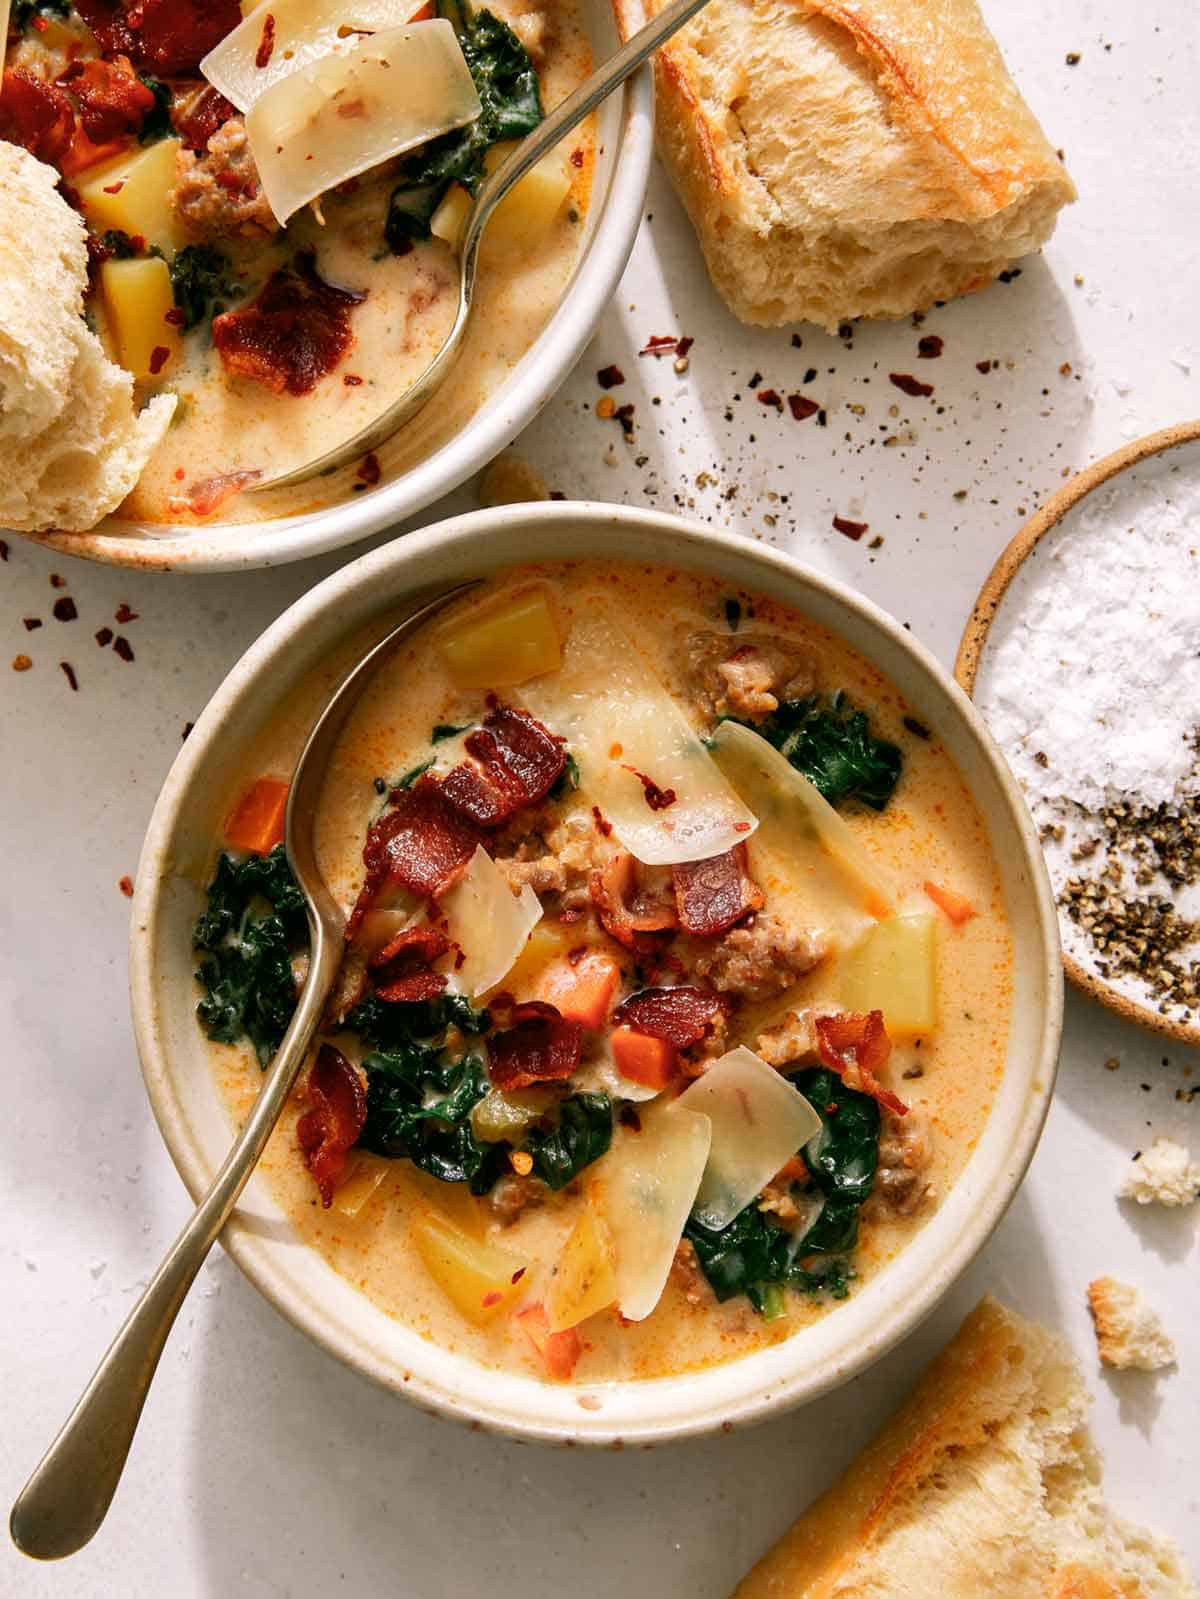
523, 218
477, 1277
133, 193
352, 1197
894, 969
137, 301
503, 644
584, 1282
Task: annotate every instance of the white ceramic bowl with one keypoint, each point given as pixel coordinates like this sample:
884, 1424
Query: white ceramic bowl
624, 146
295, 1278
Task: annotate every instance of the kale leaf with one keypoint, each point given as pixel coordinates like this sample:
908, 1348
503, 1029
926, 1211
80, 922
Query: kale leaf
755, 1253
236, 883
202, 280
507, 84
419, 1106
157, 122
832, 745
118, 244
583, 1134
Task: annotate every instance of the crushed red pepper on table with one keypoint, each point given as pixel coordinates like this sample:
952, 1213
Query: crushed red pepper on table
125, 884
123, 648
852, 530
69, 674
65, 610
907, 384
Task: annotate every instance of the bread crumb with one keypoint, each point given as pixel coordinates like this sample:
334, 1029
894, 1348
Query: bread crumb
1164, 1174
510, 480
1129, 1334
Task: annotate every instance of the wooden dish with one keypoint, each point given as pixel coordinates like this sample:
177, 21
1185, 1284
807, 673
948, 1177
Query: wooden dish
974, 640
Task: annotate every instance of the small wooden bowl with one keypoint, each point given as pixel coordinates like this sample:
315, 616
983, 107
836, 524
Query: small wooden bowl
974, 639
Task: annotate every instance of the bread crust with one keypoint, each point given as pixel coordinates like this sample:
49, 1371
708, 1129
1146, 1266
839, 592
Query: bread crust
991, 1442
843, 158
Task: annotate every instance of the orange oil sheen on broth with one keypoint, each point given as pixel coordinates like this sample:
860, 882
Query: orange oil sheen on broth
931, 828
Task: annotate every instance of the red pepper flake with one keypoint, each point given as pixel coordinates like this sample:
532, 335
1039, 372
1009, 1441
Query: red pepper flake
930, 347
125, 613
577, 158
907, 384
31, 622
123, 648
57, 580
266, 43
104, 636
21, 663
603, 825
684, 346
802, 407
159, 356
658, 799
518, 1274
852, 530
369, 472
40, 24
69, 670
180, 474
770, 397
3, 549
352, 380
492, 1297
187, 728
114, 188
65, 609
174, 316
984, 366
661, 344
609, 377
125, 884
624, 415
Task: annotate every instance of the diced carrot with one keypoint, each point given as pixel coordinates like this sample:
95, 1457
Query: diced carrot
582, 989
559, 1351
956, 907
649, 1061
256, 821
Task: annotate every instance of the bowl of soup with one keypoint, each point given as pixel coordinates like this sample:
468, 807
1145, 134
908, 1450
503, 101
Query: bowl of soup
259, 253
701, 998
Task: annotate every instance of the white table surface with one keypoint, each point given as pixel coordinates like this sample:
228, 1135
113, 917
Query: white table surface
262, 1466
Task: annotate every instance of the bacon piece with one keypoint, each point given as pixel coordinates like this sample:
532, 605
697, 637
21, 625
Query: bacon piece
36, 115
421, 843
539, 1047
112, 99
197, 120
293, 334
712, 895
856, 1046
679, 1016
625, 910
515, 762
165, 36
211, 493
337, 1110
402, 966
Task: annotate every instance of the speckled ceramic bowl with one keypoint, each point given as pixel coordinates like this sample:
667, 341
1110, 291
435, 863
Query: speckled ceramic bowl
624, 145
357, 601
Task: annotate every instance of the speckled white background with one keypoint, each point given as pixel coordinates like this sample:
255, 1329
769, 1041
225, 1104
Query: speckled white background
262, 1467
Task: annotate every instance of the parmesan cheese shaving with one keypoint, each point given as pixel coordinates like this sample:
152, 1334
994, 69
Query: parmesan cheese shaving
490, 924
635, 727
346, 112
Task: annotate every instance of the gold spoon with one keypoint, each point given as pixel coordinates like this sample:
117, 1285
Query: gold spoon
67, 1497
491, 191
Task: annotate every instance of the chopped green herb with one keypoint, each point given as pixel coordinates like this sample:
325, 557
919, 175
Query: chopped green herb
507, 84
568, 779
413, 773
832, 745
119, 245
201, 280
444, 730
583, 1134
157, 122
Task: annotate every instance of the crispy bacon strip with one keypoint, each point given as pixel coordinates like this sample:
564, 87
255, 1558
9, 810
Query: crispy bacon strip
199, 118
293, 334
539, 1047
856, 1046
711, 895
112, 99
626, 912
515, 761
36, 115
680, 1016
402, 966
337, 1104
421, 843
164, 36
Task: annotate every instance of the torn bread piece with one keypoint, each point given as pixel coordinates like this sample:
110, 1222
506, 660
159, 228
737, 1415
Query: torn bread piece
850, 158
72, 444
1129, 1333
1164, 1174
984, 1482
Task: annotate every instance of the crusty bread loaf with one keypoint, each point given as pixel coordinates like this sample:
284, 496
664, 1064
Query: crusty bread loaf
850, 158
1129, 1333
72, 445
984, 1482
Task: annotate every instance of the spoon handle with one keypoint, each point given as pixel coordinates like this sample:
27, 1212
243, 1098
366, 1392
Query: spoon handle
569, 113
66, 1498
